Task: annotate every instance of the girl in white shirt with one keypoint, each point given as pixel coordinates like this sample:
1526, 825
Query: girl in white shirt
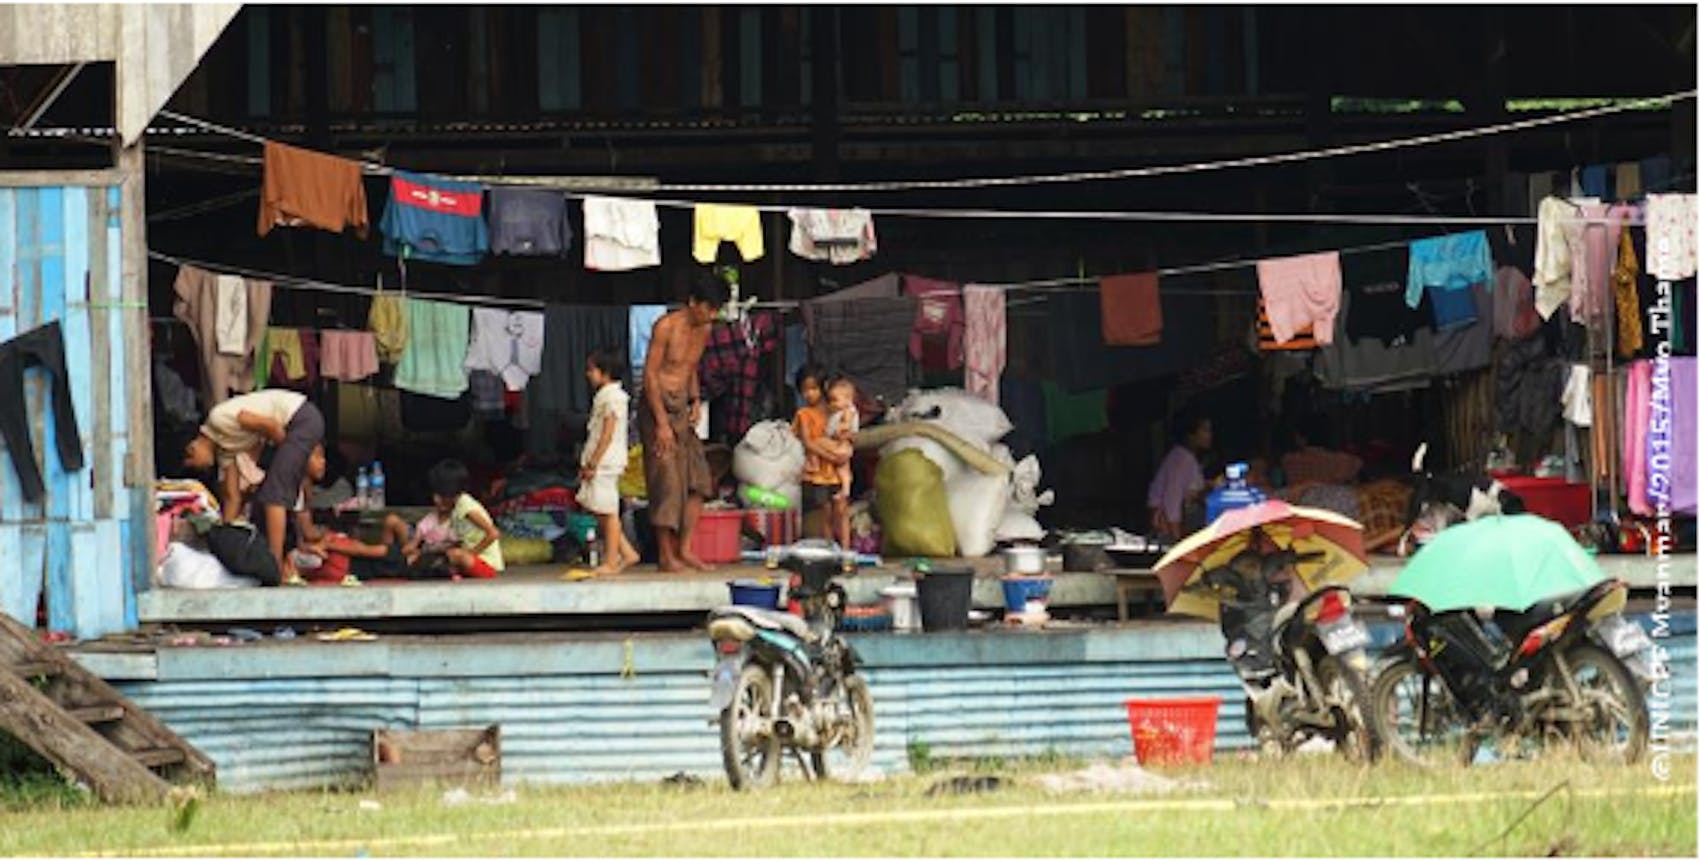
604, 457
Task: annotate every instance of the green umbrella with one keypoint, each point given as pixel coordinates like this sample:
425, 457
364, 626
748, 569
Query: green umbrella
1508, 562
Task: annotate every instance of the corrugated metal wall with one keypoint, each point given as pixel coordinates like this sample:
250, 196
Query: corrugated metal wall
59, 261
579, 720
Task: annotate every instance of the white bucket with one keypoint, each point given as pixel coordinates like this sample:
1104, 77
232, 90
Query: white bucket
906, 610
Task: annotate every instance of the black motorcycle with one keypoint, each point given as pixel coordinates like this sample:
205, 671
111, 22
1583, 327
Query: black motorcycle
1568, 670
1302, 663
788, 683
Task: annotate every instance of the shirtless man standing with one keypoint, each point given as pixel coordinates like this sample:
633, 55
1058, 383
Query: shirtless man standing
675, 470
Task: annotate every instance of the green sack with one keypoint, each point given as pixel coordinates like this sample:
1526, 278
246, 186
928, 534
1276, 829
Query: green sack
910, 501
526, 551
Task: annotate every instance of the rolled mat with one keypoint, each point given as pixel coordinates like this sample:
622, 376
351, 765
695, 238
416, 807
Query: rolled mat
879, 435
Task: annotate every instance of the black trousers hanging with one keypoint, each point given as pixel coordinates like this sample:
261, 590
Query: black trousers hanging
42, 347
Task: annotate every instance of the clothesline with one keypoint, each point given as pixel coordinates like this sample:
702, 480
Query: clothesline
631, 188
1091, 176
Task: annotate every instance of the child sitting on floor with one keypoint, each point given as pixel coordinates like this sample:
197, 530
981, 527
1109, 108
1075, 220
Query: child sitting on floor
476, 551
341, 557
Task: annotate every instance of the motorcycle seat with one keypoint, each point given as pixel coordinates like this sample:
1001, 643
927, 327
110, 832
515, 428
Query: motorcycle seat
769, 619
1518, 624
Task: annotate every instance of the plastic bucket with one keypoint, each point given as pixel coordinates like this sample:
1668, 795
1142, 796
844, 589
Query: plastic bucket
1174, 731
945, 595
1018, 591
750, 593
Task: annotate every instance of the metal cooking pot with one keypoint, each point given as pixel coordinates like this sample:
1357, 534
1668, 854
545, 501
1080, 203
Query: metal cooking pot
1024, 561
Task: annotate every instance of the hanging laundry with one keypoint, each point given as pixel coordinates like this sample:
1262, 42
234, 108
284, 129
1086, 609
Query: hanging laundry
290, 356
1071, 415
1577, 399
1376, 283
1132, 313
621, 234
1591, 264
486, 390
1558, 234
937, 341
302, 188
730, 372
864, 332
529, 222
1628, 184
1633, 444
1627, 302
388, 320
1301, 293
232, 317
508, 344
1371, 362
434, 219
347, 356
983, 340
196, 303
641, 325
836, 236
1594, 181
1469, 347
715, 223
434, 362
1529, 386
42, 347
1682, 476
1447, 267
559, 395
1515, 316
1656, 174
1267, 340
1671, 236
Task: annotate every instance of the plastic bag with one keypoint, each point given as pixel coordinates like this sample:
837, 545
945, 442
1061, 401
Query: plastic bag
911, 504
963, 414
769, 456
977, 507
1019, 526
950, 466
184, 567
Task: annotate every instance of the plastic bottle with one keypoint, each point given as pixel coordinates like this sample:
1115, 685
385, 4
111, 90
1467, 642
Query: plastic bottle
592, 556
363, 489
1235, 493
377, 485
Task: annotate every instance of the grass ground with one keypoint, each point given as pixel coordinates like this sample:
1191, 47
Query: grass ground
1307, 806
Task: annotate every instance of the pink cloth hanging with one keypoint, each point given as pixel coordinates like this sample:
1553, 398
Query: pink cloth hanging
937, 342
983, 340
1637, 402
347, 356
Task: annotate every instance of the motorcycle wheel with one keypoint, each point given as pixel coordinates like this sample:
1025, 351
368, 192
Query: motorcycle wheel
1618, 732
855, 747
751, 761
1356, 737
1394, 716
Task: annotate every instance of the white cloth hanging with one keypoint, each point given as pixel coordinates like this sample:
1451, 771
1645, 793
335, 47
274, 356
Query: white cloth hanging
621, 234
230, 319
836, 236
1577, 399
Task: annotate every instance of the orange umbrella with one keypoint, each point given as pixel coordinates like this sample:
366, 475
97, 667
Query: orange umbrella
1339, 539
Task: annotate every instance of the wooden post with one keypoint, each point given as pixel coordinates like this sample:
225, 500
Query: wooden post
130, 88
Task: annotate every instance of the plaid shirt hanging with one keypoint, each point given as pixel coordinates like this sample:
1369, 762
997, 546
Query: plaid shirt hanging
730, 373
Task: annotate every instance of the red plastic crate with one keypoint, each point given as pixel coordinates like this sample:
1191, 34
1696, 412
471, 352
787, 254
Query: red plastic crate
1553, 498
716, 538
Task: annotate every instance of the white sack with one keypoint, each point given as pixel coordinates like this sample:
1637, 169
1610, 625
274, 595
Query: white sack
977, 504
184, 567
976, 421
769, 456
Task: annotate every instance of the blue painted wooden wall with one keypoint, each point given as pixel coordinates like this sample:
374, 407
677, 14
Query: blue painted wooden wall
59, 260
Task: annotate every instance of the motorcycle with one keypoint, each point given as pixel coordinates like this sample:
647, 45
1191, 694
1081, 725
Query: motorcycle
1302, 663
1576, 674
788, 682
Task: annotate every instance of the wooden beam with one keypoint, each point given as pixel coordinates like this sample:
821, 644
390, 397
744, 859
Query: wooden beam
47, 178
29, 716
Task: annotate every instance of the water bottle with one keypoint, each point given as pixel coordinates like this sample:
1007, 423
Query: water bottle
592, 557
377, 485
363, 489
1235, 493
